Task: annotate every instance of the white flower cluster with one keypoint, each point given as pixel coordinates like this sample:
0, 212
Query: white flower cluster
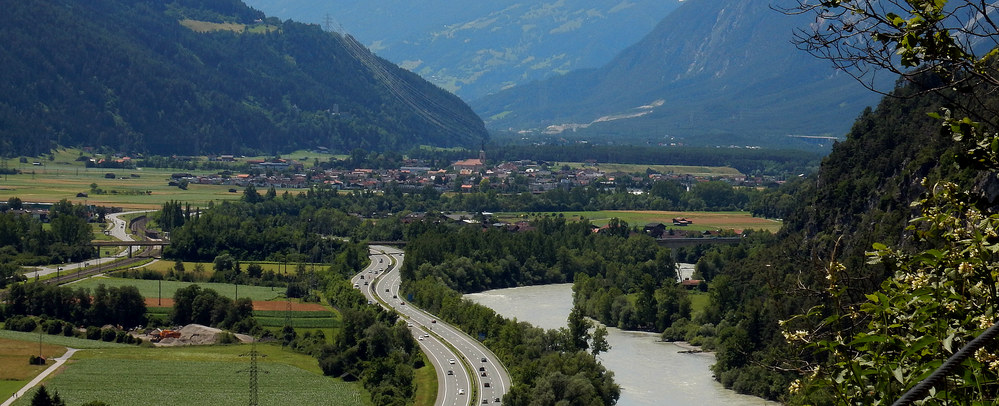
800, 335
987, 358
917, 280
795, 386
965, 269
985, 321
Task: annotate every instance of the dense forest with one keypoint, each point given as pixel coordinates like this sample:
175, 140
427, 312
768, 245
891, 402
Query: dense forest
129, 77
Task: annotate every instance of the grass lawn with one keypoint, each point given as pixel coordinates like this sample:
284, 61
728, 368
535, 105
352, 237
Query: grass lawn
14, 368
150, 288
425, 381
198, 375
698, 301
703, 220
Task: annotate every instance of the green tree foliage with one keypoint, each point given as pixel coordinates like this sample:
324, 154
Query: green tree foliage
869, 334
105, 305
291, 227
43, 398
23, 239
373, 346
172, 215
192, 304
550, 367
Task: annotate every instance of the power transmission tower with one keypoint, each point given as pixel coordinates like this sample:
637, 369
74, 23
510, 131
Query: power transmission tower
253, 370
328, 23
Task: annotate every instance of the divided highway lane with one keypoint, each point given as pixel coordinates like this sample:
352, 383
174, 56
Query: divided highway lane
486, 366
453, 381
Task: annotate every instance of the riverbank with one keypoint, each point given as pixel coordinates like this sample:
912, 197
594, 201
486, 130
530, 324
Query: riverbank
650, 371
689, 348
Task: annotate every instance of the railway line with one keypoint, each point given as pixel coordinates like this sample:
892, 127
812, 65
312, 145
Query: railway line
145, 249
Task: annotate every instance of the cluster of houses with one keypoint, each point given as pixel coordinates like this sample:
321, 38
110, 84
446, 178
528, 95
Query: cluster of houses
468, 175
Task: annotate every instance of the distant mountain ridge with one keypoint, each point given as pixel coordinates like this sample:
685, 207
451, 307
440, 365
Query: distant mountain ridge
478, 48
205, 76
713, 71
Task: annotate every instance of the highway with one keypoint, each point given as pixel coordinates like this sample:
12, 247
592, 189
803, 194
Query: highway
474, 363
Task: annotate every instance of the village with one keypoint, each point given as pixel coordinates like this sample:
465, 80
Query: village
468, 175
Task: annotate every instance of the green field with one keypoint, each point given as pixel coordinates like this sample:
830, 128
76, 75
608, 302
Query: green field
705, 171
703, 220
278, 268
61, 340
150, 288
214, 375
63, 177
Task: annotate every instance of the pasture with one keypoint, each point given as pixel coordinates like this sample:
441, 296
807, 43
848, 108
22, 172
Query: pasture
198, 375
61, 176
153, 289
14, 368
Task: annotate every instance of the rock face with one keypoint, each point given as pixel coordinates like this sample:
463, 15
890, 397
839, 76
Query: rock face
482, 47
712, 67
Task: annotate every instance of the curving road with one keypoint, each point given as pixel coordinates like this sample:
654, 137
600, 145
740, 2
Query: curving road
116, 228
474, 363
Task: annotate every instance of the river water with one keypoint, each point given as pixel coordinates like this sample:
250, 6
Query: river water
650, 372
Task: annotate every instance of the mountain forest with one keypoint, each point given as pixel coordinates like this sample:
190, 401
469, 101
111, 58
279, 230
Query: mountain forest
196, 77
881, 287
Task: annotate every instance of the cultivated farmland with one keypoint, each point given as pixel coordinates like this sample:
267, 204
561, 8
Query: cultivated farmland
151, 288
207, 375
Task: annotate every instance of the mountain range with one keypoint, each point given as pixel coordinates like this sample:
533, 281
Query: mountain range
205, 76
712, 72
475, 48
694, 72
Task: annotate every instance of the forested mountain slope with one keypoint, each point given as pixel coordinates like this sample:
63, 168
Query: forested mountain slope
860, 196
192, 77
711, 72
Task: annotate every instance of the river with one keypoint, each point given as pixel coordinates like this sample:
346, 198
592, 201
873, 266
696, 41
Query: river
649, 371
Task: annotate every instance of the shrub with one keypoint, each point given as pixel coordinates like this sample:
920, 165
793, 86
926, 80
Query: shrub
226, 337
20, 323
53, 327
108, 334
93, 333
